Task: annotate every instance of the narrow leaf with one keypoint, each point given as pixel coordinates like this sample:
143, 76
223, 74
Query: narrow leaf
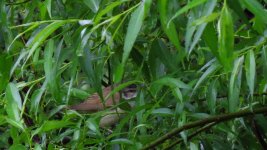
172, 82
42, 35
92, 4
52, 125
250, 67
234, 86
14, 103
206, 75
48, 7
36, 98
205, 19
264, 61
212, 96
190, 5
171, 30
122, 141
106, 10
226, 38
208, 9
257, 9
17, 124
134, 27
163, 111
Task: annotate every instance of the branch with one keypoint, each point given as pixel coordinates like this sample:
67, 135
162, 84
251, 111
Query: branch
258, 134
192, 135
217, 119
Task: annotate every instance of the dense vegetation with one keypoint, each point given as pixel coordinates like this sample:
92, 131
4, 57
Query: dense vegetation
203, 64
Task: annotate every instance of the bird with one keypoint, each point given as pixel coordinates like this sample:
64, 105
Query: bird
94, 104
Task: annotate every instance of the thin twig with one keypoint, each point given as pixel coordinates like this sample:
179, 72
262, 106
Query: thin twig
258, 134
217, 118
192, 135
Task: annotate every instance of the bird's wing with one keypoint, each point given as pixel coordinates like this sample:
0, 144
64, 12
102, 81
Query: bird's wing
94, 103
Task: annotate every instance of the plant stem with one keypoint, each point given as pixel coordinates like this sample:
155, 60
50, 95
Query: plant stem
217, 119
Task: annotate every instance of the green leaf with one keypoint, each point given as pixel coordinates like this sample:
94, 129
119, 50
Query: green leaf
17, 147
40, 37
212, 96
92, 125
119, 69
2, 119
92, 4
174, 84
199, 115
159, 50
17, 124
193, 146
14, 103
205, 19
178, 94
52, 125
171, 82
190, 5
34, 25
257, 9
5, 67
93, 69
211, 39
5, 32
264, 61
121, 141
235, 84
48, 7
171, 30
190, 30
109, 7
81, 94
37, 146
134, 27
226, 38
212, 68
209, 7
236, 7
250, 67
49, 61
50, 68
36, 98
163, 111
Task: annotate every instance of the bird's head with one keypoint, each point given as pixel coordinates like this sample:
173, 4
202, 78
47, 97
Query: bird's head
129, 92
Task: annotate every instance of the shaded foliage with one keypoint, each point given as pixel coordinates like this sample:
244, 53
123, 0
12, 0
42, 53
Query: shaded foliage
196, 59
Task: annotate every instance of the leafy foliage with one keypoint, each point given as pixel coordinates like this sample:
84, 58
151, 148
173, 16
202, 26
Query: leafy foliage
197, 60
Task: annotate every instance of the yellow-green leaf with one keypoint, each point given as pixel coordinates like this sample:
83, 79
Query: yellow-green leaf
42, 36
171, 30
250, 67
226, 38
234, 86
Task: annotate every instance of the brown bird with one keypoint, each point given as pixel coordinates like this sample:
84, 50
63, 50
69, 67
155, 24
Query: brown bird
94, 104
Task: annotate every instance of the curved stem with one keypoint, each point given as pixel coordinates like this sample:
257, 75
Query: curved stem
203, 122
179, 140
